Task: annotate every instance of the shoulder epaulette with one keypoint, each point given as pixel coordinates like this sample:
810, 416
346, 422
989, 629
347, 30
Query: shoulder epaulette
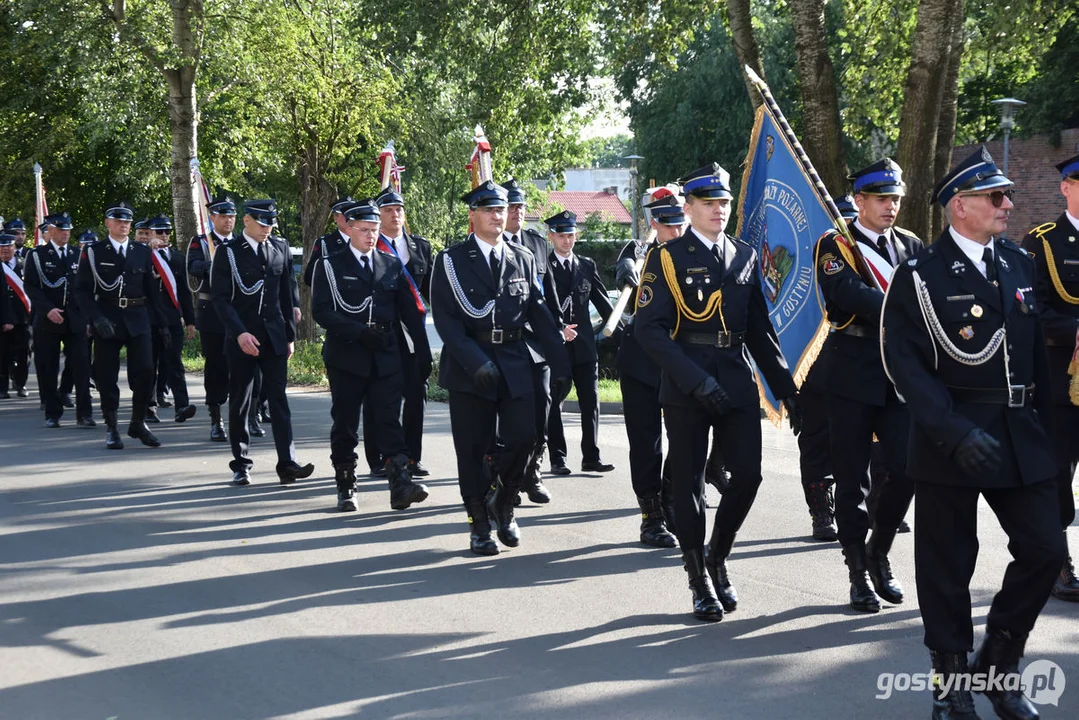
905, 232
741, 241
1043, 229
522, 248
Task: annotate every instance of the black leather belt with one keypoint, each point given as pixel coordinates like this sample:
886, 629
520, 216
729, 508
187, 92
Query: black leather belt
858, 331
1015, 396
716, 339
205, 296
498, 336
123, 302
381, 327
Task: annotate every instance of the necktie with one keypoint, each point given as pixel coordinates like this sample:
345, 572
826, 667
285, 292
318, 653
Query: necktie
715, 254
365, 266
990, 265
882, 245
495, 269
514, 240
123, 247
262, 253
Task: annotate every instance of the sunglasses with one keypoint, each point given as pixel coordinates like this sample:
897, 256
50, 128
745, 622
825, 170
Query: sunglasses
163, 232
996, 197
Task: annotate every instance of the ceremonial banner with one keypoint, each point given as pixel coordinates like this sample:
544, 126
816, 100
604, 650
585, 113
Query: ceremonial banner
203, 197
782, 215
390, 172
41, 208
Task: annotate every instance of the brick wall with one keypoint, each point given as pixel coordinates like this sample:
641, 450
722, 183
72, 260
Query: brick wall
1037, 183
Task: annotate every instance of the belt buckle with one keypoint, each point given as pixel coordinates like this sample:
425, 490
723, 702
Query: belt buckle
723, 340
121, 302
496, 336
1017, 396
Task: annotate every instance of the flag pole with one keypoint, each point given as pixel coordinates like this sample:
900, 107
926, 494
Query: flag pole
40, 210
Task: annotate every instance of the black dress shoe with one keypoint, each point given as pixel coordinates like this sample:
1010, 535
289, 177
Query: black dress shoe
185, 413
86, 422
52, 423
151, 415
112, 439
596, 466
142, 433
254, 429
292, 471
65, 400
416, 469
241, 477
379, 472
904, 527
162, 401
559, 469
21, 392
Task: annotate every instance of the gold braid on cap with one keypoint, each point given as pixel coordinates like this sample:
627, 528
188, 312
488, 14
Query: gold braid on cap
715, 300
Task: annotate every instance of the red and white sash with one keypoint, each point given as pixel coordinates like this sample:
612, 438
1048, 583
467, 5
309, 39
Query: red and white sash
167, 278
15, 283
879, 266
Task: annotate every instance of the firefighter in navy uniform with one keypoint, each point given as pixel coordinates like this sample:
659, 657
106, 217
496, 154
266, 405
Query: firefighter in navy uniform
963, 342
861, 400
699, 309
17, 227
67, 377
117, 294
414, 253
571, 285
178, 317
15, 341
200, 253
255, 295
638, 376
483, 292
331, 242
360, 295
1055, 248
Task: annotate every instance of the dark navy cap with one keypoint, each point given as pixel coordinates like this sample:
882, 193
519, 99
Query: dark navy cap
515, 194
15, 224
1069, 169
6, 238
88, 237
120, 211
710, 182
563, 222
667, 210
365, 210
883, 177
263, 211
161, 222
389, 197
846, 207
341, 204
222, 205
141, 224
486, 194
61, 221
976, 173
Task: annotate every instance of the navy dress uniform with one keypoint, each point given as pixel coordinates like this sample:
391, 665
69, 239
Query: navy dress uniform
362, 297
330, 243
67, 377
255, 295
861, 401
14, 343
699, 310
571, 285
413, 252
1055, 249
215, 374
481, 299
963, 342
117, 293
638, 377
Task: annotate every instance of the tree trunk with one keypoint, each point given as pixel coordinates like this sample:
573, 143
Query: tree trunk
316, 198
183, 122
920, 120
745, 44
949, 109
823, 140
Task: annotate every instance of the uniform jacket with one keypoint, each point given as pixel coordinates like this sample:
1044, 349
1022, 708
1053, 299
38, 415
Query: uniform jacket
16, 312
419, 267
849, 364
198, 272
1060, 315
266, 313
42, 268
970, 310
185, 314
138, 282
537, 245
391, 304
684, 366
632, 360
516, 300
329, 244
568, 295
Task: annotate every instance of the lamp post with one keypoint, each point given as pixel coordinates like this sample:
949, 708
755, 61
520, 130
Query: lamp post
1007, 108
633, 159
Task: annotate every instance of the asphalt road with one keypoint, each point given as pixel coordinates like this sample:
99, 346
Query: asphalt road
142, 585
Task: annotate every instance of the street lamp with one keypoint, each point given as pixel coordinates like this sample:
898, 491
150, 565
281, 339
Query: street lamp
633, 189
1007, 108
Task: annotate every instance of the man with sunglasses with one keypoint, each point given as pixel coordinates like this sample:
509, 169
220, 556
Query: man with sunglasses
1055, 248
962, 339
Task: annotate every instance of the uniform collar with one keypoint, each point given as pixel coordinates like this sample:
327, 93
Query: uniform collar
972, 249
727, 250
486, 248
1073, 220
871, 234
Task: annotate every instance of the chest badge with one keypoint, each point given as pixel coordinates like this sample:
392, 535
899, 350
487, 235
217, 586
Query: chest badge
700, 295
967, 333
976, 311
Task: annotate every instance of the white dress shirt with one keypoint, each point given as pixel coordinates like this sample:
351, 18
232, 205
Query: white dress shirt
361, 255
120, 247
1073, 220
487, 248
892, 257
972, 249
727, 250
401, 247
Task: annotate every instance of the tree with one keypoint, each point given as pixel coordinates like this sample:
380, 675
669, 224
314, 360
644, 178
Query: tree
745, 44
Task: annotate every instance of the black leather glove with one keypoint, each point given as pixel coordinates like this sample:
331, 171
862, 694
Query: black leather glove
713, 397
166, 337
373, 339
794, 413
626, 274
487, 377
978, 453
560, 388
103, 328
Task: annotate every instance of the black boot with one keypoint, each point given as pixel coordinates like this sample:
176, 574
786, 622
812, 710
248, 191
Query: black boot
403, 492
217, 428
1001, 651
715, 561
479, 539
253, 427
653, 530
151, 415
500, 510
862, 596
533, 482
705, 604
715, 474
880, 569
666, 500
955, 704
1067, 586
821, 502
112, 436
138, 430
345, 477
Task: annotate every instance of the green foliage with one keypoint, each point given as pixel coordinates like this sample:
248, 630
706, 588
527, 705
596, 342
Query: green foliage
609, 152
1053, 93
595, 227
